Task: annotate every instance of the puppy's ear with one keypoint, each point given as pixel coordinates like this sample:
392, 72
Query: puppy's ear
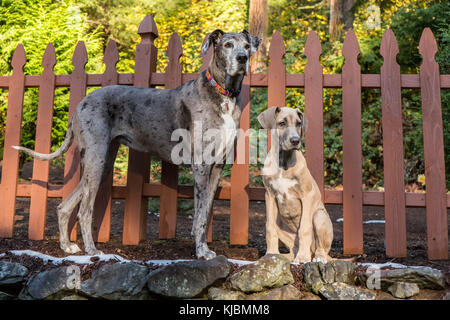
254, 41
213, 39
268, 117
304, 122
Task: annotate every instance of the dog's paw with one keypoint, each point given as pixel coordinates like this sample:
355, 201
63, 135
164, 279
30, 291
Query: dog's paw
71, 248
94, 252
205, 253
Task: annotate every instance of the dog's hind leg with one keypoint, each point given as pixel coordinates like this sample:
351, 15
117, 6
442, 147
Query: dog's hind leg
323, 236
65, 209
97, 159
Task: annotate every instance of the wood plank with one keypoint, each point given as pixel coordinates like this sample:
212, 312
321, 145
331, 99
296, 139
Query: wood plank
240, 176
169, 175
101, 225
276, 73
12, 138
351, 146
433, 141
38, 204
314, 109
78, 80
392, 121
370, 198
136, 205
409, 81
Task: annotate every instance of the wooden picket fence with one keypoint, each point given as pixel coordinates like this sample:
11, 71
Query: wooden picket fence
138, 187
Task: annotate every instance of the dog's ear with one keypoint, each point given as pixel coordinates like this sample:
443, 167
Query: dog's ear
213, 39
254, 41
304, 123
268, 117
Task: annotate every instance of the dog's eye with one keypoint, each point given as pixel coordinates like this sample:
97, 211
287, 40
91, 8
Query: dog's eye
228, 45
247, 47
299, 124
282, 123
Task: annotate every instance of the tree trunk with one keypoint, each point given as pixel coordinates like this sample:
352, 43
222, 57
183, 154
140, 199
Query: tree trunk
347, 14
335, 12
258, 27
341, 17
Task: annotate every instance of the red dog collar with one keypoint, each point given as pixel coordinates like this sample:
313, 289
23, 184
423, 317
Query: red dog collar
218, 87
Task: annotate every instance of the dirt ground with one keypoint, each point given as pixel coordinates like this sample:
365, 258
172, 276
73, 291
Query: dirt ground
183, 247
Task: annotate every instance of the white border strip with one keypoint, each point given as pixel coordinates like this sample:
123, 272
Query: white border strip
85, 259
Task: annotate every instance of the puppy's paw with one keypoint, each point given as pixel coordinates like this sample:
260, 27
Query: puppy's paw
320, 259
71, 248
303, 259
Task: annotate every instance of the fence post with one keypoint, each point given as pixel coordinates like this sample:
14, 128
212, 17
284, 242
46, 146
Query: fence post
39, 187
169, 171
394, 181
351, 146
314, 109
136, 206
240, 179
433, 142
12, 138
78, 82
102, 207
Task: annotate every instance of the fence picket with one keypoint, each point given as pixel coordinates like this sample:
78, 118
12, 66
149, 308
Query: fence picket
314, 108
433, 141
39, 188
169, 174
276, 76
78, 82
136, 206
276, 73
351, 145
240, 178
394, 184
102, 208
12, 138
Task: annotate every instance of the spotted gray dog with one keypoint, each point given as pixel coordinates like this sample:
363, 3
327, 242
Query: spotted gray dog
144, 119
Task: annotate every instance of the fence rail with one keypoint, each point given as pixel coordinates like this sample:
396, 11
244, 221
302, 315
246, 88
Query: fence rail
139, 188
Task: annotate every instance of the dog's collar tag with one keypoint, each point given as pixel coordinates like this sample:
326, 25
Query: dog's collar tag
218, 87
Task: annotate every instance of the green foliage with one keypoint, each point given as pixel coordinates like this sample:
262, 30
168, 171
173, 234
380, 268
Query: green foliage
117, 20
408, 25
192, 20
35, 23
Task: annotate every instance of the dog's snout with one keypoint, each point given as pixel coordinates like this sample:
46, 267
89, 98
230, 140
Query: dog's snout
241, 58
295, 140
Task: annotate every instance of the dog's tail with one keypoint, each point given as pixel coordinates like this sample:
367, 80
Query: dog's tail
43, 156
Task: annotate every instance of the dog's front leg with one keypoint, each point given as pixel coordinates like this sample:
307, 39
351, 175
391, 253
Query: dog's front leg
206, 179
271, 224
305, 233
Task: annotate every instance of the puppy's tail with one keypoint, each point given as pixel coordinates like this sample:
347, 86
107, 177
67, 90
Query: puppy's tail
43, 156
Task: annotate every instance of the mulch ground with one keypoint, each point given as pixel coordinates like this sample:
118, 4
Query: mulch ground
183, 246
